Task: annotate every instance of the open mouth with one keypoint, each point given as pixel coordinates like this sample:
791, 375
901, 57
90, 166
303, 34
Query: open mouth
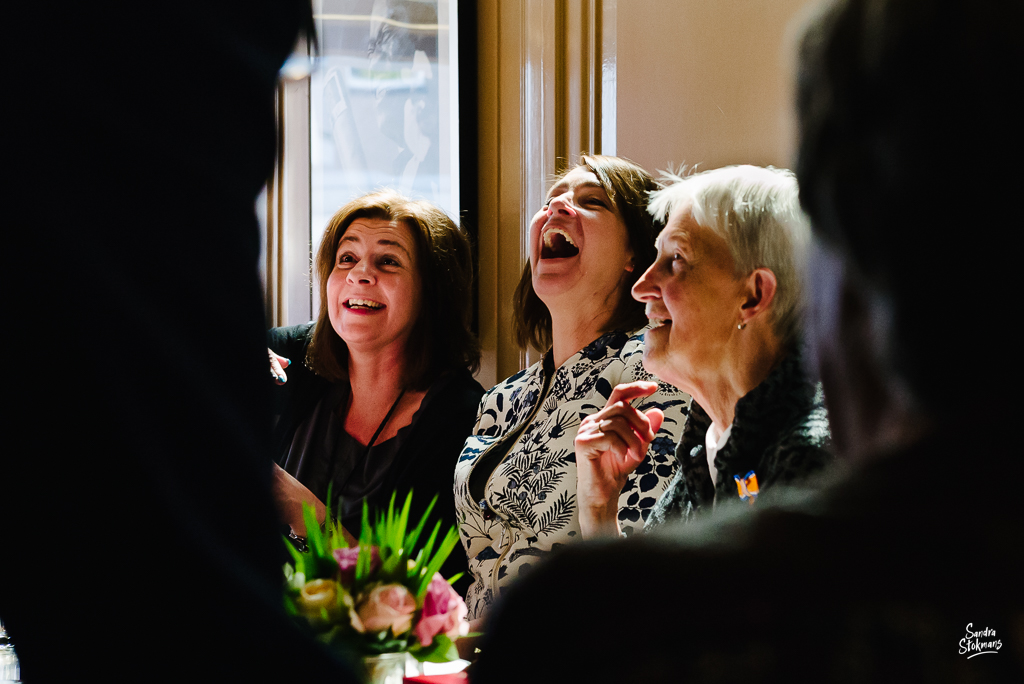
363, 304
558, 245
659, 322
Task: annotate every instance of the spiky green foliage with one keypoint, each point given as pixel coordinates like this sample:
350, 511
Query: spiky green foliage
403, 560
335, 533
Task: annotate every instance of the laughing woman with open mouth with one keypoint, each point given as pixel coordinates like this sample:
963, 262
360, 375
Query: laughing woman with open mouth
379, 396
515, 483
725, 299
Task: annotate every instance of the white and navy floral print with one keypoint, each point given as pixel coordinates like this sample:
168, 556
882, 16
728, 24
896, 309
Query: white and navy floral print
531, 496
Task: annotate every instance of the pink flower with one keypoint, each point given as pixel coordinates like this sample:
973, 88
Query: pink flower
444, 612
387, 605
347, 559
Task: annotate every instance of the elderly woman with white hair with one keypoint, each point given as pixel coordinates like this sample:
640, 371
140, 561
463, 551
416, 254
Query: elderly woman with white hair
724, 298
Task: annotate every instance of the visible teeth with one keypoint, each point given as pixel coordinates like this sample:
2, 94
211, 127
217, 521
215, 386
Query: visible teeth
658, 322
366, 303
548, 237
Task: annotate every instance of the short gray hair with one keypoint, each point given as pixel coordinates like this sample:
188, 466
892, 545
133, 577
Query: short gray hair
757, 211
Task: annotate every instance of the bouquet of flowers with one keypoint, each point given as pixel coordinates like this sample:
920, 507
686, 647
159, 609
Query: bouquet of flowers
384, 595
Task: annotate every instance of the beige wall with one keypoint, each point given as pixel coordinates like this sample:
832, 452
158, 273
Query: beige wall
704, 82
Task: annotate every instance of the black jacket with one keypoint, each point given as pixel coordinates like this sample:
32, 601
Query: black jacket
426, 460
780, 432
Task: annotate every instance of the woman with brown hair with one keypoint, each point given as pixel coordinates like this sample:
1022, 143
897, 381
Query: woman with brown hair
515, 483
385, 398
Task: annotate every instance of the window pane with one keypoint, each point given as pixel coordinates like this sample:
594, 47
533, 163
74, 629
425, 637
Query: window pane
384, 103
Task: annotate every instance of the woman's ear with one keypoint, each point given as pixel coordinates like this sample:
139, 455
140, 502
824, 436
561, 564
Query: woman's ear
759, 289
631, 264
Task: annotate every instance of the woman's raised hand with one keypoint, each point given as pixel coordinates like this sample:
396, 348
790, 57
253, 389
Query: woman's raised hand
277, 366
610, 444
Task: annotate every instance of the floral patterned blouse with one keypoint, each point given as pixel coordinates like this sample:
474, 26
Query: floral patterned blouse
529, 504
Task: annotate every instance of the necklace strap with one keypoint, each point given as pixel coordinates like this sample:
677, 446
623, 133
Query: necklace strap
366, 451
380, 428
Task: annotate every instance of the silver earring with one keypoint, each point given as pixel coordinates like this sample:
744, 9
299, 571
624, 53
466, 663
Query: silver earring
741, 326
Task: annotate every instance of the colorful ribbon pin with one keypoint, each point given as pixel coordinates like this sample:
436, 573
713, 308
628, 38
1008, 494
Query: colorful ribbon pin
747, 487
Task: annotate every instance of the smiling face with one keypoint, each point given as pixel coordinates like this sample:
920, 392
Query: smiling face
693, 298
374, 290
579, 246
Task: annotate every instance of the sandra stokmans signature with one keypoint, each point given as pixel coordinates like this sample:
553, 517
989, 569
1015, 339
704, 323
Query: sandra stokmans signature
973, 643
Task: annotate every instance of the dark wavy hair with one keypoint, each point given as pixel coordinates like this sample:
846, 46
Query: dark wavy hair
442, 337
628, 187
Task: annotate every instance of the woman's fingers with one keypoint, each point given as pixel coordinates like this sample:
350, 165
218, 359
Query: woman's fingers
618, 400
620, 430
632, 390
610, 444
655, 417
627, 437
277, 366
611, 435
638, 421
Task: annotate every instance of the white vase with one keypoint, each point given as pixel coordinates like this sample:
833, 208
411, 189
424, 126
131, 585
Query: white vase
390, 668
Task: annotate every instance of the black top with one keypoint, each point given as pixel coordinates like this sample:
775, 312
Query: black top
308, 433
322, 453
779, 432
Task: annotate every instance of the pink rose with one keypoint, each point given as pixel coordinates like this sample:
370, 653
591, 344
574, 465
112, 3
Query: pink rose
444, 612
347, 559
387, 605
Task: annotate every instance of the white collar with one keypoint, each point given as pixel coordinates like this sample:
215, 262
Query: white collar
713, 442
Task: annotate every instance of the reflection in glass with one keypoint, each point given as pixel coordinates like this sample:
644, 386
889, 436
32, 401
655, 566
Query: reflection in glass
383, 103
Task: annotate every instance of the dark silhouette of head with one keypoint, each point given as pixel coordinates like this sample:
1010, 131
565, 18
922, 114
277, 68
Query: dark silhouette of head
909, 161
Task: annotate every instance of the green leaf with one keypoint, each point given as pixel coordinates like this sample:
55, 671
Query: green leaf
337, 537
330, 498
365, 539
314, 536
442, 650
386, 645
389, 519
455, 578
424, 556
400, 526
295, 553
335, 637
414, 536
450, 540
363, 563
366, 533
395, 537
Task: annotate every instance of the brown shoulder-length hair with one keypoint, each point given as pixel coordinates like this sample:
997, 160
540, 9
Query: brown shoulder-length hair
442, 337
628, 187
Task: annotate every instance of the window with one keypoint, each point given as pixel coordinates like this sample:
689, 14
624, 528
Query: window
380, 108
